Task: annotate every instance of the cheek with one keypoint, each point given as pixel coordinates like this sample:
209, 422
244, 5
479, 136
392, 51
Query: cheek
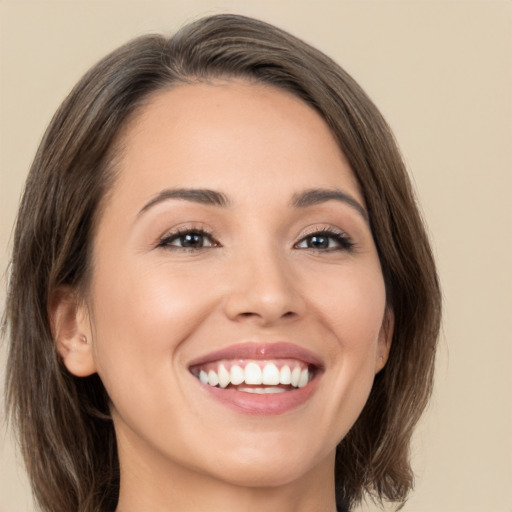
360, 328
351, 303
141, 316
352, 314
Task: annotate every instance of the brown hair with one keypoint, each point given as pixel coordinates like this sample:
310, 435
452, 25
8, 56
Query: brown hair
63, 424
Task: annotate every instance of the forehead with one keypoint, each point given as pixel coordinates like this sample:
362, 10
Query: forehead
230, 132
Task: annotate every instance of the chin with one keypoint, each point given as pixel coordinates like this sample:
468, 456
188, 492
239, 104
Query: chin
256, 466
263, 475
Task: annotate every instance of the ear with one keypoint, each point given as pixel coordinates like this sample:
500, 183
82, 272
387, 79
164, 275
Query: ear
384, 342
71, 330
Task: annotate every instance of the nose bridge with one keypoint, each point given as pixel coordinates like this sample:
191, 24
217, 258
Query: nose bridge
261, 285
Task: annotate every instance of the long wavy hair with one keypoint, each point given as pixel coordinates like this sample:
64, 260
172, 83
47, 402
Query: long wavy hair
63, 423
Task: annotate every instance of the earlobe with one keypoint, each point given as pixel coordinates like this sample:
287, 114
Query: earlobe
71, 332
385, 338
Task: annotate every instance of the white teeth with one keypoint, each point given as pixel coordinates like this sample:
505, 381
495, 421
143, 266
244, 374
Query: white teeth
295, 377
304, 378
253, 374
224, 376
270, 374
285, 375
213, 378
262, 391
237, 375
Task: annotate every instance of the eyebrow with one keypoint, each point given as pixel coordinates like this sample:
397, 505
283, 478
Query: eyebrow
317, 196
195, 195
209, 197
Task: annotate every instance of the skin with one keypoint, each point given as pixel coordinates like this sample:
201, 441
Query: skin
153, 309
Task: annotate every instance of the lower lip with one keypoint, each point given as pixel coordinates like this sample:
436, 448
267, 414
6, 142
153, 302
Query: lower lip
262, 405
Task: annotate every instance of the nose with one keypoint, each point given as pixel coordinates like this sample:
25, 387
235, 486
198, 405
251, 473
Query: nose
263, 289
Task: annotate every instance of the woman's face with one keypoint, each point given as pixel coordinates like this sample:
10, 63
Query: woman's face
234, 247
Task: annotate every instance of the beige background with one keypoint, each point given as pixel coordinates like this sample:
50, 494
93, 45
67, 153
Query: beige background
441, 71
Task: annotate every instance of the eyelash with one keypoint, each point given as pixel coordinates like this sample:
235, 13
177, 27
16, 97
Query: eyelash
165, 242
342, 240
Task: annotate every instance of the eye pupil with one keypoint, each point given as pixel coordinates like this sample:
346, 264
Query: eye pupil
192, 240
318, 242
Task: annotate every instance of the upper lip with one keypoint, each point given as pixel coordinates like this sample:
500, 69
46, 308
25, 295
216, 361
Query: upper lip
261, 351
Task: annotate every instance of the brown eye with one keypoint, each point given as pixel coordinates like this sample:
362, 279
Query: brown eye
193, 239
318, 242
326, 241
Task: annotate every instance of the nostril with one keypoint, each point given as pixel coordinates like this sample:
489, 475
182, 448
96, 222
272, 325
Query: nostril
266, 301
249, 314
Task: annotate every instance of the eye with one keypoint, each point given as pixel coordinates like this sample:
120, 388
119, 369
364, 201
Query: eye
190, 239
326, 240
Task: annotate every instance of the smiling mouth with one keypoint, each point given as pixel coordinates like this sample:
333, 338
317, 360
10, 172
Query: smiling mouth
262, 379
256, 376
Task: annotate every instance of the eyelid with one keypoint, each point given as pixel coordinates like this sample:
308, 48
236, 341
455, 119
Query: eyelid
183, 229
345, 241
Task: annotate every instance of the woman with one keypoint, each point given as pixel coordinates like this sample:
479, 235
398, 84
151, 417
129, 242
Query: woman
222, 295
